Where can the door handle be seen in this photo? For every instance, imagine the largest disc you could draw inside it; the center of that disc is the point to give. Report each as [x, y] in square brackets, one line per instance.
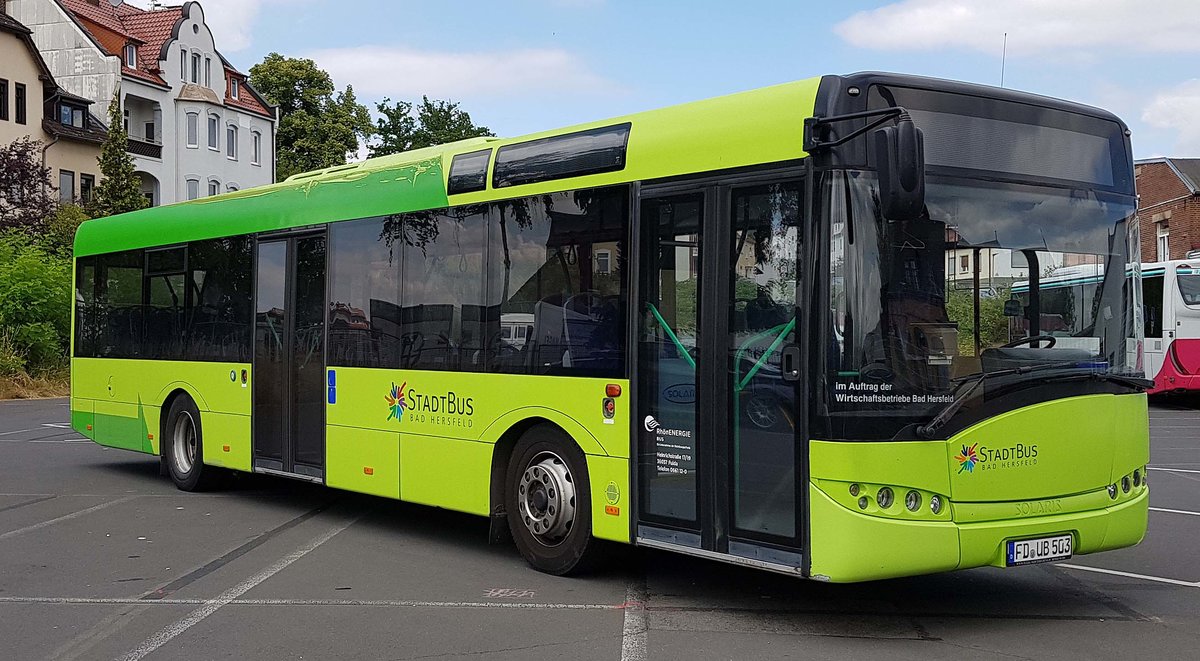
[791, 363]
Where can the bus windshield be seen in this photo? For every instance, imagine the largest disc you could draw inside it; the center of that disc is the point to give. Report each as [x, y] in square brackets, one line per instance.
[1011, 280]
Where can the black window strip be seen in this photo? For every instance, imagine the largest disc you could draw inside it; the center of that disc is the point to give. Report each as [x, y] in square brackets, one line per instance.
[573, 155]
[468, 172]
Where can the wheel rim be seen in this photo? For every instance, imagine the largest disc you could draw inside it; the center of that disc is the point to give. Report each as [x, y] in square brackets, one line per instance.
[761, 412]
[184, 443]
[546, 498]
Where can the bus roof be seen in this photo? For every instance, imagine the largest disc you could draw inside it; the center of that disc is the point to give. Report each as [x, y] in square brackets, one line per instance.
[725, 132]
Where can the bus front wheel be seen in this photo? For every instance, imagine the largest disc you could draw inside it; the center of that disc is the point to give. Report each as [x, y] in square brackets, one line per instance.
[183, 447]
[548, 502]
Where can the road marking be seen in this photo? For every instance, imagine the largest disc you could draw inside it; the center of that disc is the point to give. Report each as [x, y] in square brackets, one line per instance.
[27, 502]
[1144, 577]
[195, 617]
[1163, 509]
[1172, 470]
[633, 630]
[65, 517]
[57, 425]
[374, 603]
[65, 440]
[19, 431]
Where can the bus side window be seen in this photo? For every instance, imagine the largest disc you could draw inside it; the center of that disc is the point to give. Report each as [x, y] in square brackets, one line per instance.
[1152, 300]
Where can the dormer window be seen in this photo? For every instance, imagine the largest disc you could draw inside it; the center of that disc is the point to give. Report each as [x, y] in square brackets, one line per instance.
[131, 56]
[233, 87]
[71, 116]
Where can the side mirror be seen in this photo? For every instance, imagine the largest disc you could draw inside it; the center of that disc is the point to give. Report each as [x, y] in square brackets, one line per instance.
[1012, 308]
[899, 157]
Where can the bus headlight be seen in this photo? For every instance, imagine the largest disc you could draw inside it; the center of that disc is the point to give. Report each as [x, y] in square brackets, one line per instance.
[854, 490]
[1112, 491]
[1125, 484]
[862, 503]
[935, 504]
[1137, 477]
[885, 498]
[912, 500]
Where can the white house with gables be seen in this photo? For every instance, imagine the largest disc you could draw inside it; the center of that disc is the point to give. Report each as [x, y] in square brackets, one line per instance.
[196, 127]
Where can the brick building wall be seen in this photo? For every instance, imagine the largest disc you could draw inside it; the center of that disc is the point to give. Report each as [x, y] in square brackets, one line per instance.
[1166, 201]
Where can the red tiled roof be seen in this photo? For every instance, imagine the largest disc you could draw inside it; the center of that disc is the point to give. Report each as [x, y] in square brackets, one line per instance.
[146, 29]
[248, 98]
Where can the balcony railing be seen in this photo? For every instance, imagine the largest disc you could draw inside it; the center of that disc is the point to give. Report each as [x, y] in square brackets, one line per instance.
[143, 148]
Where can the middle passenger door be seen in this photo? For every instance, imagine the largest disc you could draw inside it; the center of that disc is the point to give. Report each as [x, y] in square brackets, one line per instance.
[719, 431]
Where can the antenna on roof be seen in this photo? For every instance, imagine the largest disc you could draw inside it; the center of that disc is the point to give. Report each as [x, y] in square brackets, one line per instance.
[1003, 58]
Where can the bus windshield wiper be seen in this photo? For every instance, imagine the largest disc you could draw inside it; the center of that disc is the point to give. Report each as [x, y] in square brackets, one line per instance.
[943, 416]
[1123, 379]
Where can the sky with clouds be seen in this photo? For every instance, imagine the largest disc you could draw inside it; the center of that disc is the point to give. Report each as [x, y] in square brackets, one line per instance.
[520, 66]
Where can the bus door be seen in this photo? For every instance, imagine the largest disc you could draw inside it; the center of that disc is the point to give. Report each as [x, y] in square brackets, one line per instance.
[289, 357]
[719, 436]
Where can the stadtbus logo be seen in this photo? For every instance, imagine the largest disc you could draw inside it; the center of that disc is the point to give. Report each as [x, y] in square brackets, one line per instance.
[987, 458]
[968, 458]
[650, 423]
[396, 402]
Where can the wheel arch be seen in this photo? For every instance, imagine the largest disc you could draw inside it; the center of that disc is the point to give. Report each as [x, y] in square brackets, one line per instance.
[502, 454]
[173, 393]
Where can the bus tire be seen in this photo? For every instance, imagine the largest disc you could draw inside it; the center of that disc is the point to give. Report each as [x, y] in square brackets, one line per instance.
[549, 503]
[183, 447]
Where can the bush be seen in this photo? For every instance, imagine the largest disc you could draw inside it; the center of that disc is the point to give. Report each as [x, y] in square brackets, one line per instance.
[35, 303]
[11, 362]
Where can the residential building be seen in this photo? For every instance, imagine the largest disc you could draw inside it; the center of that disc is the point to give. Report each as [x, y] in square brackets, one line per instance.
[32, 105]
[196, 127]
[1168, 207]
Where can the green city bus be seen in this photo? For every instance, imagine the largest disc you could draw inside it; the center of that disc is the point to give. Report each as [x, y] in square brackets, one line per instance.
[740, 328]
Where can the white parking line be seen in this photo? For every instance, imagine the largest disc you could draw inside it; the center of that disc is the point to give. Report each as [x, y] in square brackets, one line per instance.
[165, 635]
[376, 603]
[1163, 509]
[633, 631]
[1144, 577]
[19, 431]
[57, 425]
[1172, 470]
[65, 517]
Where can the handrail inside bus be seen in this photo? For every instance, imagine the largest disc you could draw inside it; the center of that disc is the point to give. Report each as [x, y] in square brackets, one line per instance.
[671, 334]
[783, 330]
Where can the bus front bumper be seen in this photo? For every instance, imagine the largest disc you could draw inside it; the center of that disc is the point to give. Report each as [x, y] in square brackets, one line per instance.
[848, 546]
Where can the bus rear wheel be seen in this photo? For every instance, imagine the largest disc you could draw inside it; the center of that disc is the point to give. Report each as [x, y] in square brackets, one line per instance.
[183, 447]
[548, 502]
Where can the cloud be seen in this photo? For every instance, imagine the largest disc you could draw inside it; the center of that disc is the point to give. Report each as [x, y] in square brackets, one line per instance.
[1176, 109]
[231, 21]
[405, 73]
[1033, 26]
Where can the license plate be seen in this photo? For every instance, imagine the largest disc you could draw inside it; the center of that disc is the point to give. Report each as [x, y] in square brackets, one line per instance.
[1045, 549]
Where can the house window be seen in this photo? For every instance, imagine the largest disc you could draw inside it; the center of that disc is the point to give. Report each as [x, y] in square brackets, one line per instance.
[214, 125]
[193, 189]
[183, 64]
[604, 261]
[150, 132]
[195, 67]
[231, 188]
[125, 114]
[3, 99]
[234, 86]
[214, 188]
[208, 72]
[87, 182]
[193, 130]
[131, 56]
[66, 186]
[964, 263]
[231, 141]
[19, 89]
[1164, 242]
[256, 140]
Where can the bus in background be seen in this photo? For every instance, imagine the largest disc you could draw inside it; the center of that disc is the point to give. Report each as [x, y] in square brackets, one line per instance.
[766, 329]
[1171, 300]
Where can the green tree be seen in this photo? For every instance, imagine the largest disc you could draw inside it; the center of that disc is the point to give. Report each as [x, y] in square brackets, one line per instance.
[435, 123]
[318, 126]
[120, 190]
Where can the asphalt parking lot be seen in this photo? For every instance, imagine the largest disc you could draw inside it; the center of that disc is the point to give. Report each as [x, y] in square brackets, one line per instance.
[100, 558]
